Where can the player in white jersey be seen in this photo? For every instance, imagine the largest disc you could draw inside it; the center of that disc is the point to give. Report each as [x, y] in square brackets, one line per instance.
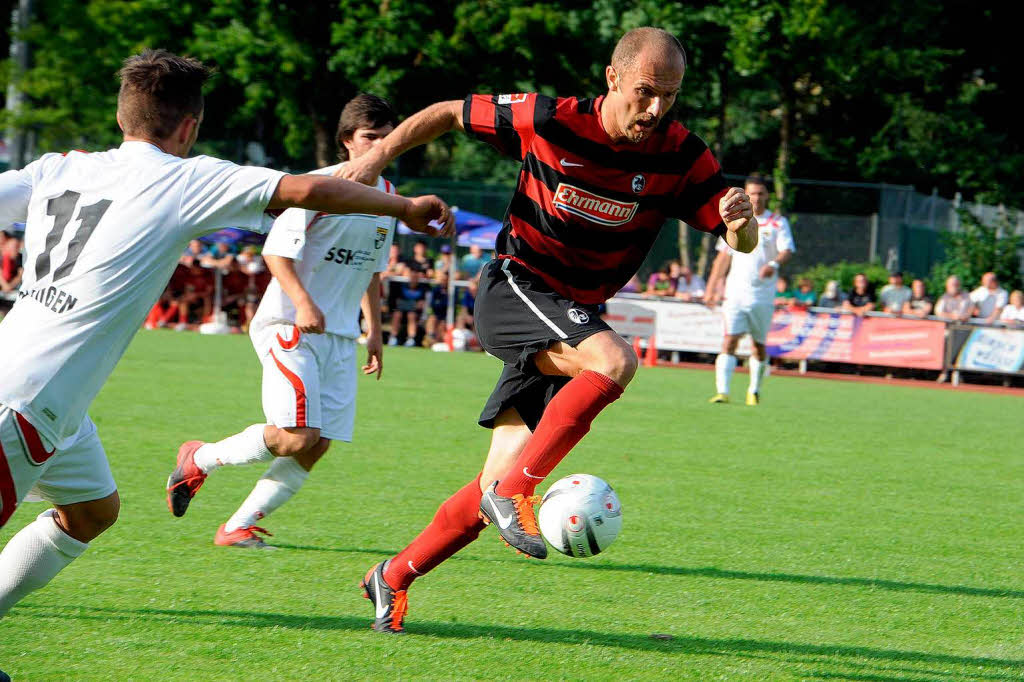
[103, 234]
[749, 292]
[325, 267]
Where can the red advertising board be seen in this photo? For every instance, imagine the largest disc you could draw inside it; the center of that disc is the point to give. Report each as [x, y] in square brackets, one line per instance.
[893, 342]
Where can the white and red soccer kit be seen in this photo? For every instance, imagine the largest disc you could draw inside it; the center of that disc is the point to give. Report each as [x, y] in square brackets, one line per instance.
[309, 380]
[103, 235]
[750, 298]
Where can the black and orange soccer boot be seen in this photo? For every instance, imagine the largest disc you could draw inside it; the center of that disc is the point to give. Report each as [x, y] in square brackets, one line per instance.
[186, 479]
[515, 520]
[390, 605]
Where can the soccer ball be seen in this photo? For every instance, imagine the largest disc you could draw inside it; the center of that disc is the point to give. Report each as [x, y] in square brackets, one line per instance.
[580, 515]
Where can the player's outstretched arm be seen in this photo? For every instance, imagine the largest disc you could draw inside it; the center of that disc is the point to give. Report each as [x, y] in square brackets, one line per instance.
[418, 129]
[334, 195]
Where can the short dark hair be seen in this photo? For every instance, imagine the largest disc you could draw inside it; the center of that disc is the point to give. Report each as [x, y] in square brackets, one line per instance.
[756, 179]
[633, 43]
[158, 90]
[363, 111]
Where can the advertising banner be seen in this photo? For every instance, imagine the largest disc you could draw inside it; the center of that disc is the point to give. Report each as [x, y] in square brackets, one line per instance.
[886, 341]
[794, 335]
[993, 350]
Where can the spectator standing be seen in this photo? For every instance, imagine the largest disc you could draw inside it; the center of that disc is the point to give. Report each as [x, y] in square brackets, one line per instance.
[832, 296]
[1013, 313]
[420, 262]
[196, 301]
[895, 294]
[954, 305]
[804, 296]
[989, 298]
[194, 253]
[443, 262]
[784, 296]
[690, 287]
[468, 303]
[919, 304]
[395, 264]
[220, 256]
[410, 304]
[437, 307]
[473, 261]
[862, 298]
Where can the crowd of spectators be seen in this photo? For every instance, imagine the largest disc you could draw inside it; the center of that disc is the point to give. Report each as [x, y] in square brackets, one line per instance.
[417, 293]
[988, 304]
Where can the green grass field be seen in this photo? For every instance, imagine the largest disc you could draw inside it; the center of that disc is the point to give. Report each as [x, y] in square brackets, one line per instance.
[838, 531]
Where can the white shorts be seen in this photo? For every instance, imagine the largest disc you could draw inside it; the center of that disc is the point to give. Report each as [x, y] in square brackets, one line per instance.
[748, 318]
[308, 379]
[76, 473]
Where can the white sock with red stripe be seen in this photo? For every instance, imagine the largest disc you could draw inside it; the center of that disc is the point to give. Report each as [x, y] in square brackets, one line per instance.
[282, 480]
[247, 447]
[33, 557]
[725, 365]
[756, 374]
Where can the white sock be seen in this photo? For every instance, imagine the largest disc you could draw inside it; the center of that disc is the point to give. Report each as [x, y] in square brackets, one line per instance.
[756, 374]
[725, 364]
[282, 480]
[33, 557]
[246, 447]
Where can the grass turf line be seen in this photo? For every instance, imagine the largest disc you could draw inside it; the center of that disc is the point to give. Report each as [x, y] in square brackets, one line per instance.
[837, 531]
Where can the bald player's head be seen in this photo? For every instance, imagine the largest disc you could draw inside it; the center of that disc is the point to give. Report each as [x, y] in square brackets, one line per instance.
[643, 82]
[655, 42]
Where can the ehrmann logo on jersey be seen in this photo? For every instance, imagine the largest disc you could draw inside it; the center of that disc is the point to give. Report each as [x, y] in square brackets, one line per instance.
[593, 207]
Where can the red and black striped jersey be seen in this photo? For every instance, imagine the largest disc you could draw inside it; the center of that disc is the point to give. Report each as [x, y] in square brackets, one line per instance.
[586, 210]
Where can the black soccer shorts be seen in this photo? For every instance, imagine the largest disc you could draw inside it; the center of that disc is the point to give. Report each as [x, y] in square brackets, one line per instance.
[517, 314]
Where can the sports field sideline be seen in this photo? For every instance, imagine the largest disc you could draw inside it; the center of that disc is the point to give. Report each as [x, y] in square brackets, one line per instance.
[837, 531]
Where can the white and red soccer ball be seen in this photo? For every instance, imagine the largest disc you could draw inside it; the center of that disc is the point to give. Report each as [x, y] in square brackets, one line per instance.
[580, 515]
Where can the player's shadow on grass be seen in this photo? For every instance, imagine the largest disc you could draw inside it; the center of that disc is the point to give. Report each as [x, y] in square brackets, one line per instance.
[678, 645]
[719, 573]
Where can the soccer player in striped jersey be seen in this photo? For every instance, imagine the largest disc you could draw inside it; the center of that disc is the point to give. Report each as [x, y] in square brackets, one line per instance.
[599, 177]
[103, 233]
[326, 268]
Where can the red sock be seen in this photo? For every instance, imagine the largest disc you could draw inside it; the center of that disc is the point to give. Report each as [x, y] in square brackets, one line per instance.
[456, 524]
[565, 421]
[154, 315]
[170, 314]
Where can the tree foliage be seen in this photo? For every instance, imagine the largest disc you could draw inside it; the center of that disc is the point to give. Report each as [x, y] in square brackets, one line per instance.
[911, 92]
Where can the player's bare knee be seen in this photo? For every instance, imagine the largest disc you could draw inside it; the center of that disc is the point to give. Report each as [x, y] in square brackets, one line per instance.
[290, 442]
[85, 521]
[617, 363]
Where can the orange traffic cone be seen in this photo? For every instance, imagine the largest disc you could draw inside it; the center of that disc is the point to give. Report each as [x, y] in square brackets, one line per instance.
[636, 347]
[651, 358]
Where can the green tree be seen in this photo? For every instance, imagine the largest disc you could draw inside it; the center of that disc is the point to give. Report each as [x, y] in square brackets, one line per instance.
[977, 248]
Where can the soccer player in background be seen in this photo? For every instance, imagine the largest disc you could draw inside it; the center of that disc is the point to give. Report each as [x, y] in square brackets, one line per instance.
[598, 180]
[325, 267]
[749, 292]
[103, 234]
